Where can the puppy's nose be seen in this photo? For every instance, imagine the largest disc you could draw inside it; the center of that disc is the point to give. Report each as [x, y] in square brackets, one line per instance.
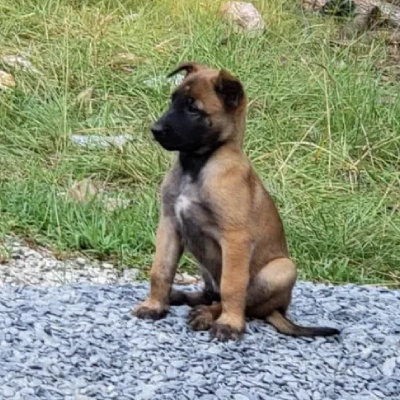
[157, 130]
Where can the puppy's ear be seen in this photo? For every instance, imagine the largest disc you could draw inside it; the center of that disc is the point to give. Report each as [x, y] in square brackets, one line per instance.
[187, 66]
[229, 89]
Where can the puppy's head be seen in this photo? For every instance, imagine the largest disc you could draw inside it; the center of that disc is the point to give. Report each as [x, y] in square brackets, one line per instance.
[205, 110]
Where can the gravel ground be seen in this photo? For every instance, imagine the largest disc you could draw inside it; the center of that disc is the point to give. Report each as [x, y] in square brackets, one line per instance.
[66, 333]
[80, 342]
[27, 266]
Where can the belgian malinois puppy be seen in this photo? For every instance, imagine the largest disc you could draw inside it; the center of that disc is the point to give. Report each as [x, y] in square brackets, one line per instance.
[215, 206]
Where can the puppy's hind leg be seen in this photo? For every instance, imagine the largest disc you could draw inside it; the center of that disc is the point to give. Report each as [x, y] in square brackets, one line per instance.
[269, 297]
[271, 289]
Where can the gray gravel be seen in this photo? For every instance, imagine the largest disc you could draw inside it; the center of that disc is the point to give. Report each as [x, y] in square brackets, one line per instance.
[39, 266]
[79, 342]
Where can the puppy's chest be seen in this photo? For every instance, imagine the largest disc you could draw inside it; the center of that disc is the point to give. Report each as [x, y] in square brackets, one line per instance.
[189, 207]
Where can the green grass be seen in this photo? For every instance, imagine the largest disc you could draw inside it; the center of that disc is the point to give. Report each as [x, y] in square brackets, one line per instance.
[321, 131]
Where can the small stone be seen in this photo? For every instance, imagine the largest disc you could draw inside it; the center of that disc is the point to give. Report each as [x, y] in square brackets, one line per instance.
[94, 140]
[240, 397]
[8, 391]
[388, 366]
[301, 394]
[131, 274]
[172, 372]
[102, 280]
[366, 353]
[178, 364]
[19, 62]
[27, 391]
[81, 261]
[223, 393]
[30, 253]
[185, 279]
[7, 81]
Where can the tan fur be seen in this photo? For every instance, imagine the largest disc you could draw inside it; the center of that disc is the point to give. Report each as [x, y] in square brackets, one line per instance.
[230, 224]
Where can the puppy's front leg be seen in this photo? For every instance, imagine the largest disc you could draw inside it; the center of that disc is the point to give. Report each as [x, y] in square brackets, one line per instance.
[169, 250]
[234, 282]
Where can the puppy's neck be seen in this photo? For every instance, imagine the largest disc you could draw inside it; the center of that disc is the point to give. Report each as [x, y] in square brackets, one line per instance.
[193, 162]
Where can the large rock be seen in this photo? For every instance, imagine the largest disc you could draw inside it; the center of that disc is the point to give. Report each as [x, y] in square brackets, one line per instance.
[243, 16]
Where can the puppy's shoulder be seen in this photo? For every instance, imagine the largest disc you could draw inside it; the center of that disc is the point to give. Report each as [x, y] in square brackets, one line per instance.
[229, 184]
[229, 168]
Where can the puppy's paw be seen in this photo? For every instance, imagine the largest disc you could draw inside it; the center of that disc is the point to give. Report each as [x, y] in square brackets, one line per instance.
[224, 333]
[200, 318]
[150, 310]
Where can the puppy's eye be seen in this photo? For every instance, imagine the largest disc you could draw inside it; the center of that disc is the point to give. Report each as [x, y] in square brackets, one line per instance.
[191, 105]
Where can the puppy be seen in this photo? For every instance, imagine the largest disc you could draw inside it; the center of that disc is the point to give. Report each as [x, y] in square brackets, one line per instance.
[215, 206]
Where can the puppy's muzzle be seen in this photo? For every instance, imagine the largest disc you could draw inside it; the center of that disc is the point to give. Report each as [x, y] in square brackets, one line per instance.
[161, 130]
[157, 130]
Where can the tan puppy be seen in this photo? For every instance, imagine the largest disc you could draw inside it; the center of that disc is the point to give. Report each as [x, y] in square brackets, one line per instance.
[215, 206]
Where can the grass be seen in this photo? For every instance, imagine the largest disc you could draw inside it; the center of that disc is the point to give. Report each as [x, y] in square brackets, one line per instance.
[323, 129]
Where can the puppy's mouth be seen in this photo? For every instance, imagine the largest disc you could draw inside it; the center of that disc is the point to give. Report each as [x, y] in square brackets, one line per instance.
[169, 145]
[173, 144]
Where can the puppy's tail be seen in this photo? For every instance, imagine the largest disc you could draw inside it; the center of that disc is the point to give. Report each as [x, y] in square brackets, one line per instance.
[287, 327]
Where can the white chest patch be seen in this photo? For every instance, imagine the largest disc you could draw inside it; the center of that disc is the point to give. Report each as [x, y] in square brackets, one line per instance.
[182, 204]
